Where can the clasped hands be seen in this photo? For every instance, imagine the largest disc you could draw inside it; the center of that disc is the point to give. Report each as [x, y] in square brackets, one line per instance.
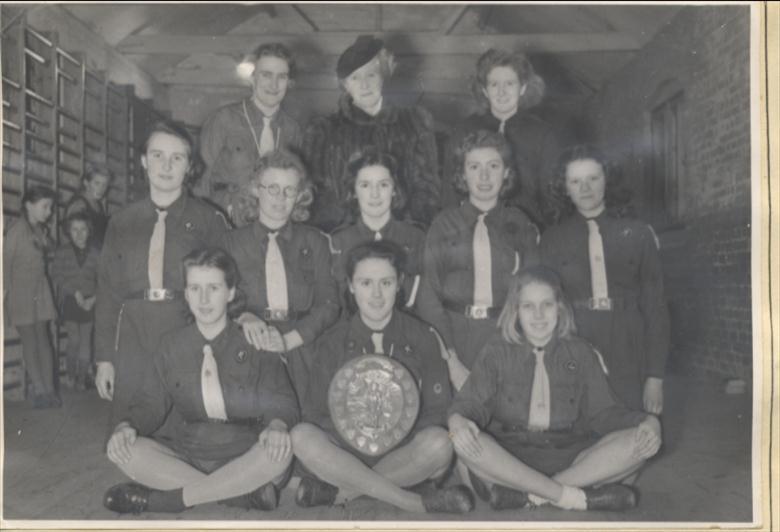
[261, 335]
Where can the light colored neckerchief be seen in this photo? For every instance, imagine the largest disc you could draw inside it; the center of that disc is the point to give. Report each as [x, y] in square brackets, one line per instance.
[254, 133]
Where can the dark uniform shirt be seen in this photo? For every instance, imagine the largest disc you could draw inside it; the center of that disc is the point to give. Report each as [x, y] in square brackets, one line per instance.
[497, 393]
[634, 336]
[448, 260]
[228, 147]
[123, 269]
[406, 235]
[311, 290]
[255, 386]
[405, 339]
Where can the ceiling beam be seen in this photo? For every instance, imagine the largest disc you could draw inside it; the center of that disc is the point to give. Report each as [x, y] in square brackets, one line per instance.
[306, 18]
[453, 19]
[333, 43]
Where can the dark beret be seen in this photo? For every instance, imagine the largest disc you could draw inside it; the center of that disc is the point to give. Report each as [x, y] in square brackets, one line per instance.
[363, 50]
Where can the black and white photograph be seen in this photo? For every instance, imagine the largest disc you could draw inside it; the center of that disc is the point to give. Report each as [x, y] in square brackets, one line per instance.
[429, 265]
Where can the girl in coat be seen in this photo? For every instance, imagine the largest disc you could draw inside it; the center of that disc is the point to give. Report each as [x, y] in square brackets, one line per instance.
[234, 407]
[612, 273]
[27, 294]
[92, 201]
[471, 252]
[74, 274]
[378, 198]
[536, 420]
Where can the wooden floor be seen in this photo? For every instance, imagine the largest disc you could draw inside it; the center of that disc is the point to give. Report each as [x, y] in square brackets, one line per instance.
[54, 469]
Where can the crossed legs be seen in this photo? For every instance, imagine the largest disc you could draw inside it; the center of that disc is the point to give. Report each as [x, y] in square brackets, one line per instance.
[428, 455]
[156, 466]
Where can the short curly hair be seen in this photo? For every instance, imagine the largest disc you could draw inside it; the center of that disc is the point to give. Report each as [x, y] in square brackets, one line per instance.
[534, 84]
[617, 196]
[483, 139]
[279, 50]
[285, 160]
[372, 156]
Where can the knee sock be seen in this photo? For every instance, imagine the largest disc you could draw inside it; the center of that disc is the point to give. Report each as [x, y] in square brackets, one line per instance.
[166, 501]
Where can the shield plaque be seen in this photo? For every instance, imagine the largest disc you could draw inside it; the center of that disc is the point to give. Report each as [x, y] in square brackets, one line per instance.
[373, 402]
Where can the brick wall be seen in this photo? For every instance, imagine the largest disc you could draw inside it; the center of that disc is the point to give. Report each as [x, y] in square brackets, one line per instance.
[706, 248]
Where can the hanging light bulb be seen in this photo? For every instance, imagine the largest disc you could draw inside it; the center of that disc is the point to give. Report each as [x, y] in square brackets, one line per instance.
[245, 68]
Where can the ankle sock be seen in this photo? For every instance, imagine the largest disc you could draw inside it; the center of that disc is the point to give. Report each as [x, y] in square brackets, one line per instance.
[572, 499]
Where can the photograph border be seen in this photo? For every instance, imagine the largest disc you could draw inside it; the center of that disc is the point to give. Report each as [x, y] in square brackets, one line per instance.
[765, 263]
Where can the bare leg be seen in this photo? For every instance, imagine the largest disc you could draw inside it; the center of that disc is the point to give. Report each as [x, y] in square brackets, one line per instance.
[336, 466]
[428, 455]
[157, 466]
[498, 466]
[610, 459]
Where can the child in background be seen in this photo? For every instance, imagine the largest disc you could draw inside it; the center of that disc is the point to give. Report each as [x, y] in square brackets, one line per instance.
[27, 294]
[74, 274]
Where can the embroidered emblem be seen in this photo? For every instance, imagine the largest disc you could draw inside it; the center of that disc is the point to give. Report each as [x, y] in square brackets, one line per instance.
[571, 365]
[305, 251]
[241, 356]
[407, 349]
[626, 232]
[437, 388]
[188, 226]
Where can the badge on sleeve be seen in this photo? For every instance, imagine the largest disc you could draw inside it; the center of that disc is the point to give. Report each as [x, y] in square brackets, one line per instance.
[241, 356]
[571, 365]
[188, 226]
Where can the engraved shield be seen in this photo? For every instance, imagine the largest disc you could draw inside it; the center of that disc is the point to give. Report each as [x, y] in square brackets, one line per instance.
[374, 402]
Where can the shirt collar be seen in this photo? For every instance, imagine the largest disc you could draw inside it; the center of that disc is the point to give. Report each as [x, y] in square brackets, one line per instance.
[360, 333]
[369, 233]
[472, 213]
[261, 231]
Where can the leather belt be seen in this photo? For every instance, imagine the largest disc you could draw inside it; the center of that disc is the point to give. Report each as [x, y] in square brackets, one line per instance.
[243, 421]
[156, 294]
[271, 314]
[474, 312]
[606, 303]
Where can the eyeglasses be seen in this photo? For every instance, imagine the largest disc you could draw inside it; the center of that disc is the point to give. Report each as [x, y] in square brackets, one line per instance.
[275, 190]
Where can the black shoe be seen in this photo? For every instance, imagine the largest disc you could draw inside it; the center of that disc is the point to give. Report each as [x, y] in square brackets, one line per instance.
[611, 497]
[314, 492]
[503, 498]
[479, 487]
[127, 498]
[428, 485]
[265, 498]
[454, 500]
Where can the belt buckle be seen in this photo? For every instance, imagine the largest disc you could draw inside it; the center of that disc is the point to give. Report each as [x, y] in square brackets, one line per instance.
[276, 314]
[156, 294]
[477, 312]
[600, 303]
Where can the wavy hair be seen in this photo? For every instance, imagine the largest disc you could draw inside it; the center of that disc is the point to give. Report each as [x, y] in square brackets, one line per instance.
[371, 156]
[534, 84]
[617, 196]
[508, 320]
[286, 160]
[213, 257]
[484, 139]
